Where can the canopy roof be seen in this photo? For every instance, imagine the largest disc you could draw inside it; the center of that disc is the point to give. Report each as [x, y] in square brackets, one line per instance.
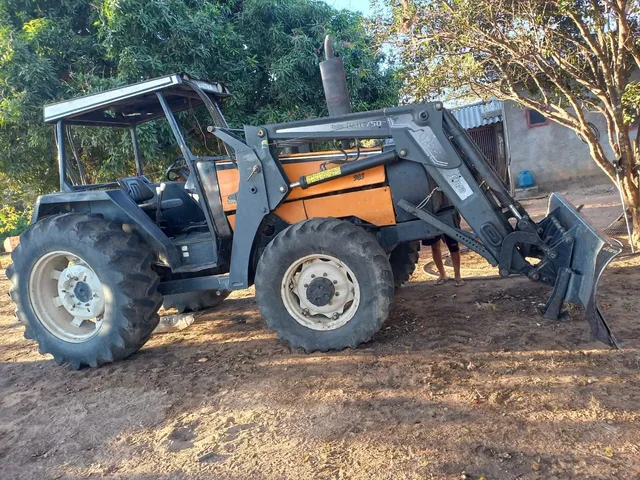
[134, 104]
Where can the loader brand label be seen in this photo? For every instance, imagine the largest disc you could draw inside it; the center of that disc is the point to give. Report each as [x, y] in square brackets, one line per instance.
[458, 183]
[330, 127]
[358, 125]
[323, 175]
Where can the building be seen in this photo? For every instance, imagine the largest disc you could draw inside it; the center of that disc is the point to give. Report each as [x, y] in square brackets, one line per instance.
[515, 138]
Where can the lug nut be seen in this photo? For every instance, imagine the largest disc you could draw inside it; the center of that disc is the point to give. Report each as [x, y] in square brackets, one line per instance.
[306, 285]
[337, 294]
[324, 274]
[335, 282]
[313, 275]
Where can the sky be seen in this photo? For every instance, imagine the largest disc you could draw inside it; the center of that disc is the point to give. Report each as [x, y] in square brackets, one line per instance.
[362, 6]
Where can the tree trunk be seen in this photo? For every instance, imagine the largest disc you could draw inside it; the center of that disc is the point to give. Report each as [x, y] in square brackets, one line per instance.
[630, 193]
[635, 233]
[627, 181]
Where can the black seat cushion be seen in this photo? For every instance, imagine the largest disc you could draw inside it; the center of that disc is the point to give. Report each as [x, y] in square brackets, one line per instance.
[137, 188]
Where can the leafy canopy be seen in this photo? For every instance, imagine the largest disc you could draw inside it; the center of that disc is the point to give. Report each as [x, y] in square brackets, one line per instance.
[561, 57]
[267, 51]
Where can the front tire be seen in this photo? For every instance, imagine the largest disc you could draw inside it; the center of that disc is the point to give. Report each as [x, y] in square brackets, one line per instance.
[324, 284]
[84, 289]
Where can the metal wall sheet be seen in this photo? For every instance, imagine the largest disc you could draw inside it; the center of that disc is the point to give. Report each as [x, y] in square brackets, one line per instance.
[479, 114]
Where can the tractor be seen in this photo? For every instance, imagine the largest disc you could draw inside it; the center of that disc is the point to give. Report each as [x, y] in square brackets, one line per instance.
[326, 237]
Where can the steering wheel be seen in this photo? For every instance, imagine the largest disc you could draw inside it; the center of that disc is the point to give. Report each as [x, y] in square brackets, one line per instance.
[178, 170]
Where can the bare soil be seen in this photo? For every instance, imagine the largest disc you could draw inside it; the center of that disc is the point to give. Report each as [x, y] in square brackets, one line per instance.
[465, 382]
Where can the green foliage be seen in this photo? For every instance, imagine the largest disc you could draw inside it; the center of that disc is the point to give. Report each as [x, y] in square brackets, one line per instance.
[267, 51]
[13, 221]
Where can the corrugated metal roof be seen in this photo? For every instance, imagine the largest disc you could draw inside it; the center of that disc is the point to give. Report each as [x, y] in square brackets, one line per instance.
[479, 114]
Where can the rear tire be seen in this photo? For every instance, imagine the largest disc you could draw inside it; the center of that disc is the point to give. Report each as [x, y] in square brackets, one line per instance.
[194, 301]
[403, 260]
[324, 284]
[92, 260]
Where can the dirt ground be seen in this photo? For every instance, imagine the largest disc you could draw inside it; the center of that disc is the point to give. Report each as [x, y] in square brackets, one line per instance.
[465, 382]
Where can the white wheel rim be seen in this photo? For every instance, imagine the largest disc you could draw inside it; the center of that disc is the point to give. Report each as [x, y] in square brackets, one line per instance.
[67, 296]
[317, 272]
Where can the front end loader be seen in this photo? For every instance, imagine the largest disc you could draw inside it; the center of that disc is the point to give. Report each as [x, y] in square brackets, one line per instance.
[326, 237]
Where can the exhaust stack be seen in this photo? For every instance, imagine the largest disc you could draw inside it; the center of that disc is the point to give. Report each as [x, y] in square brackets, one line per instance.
[334, 83]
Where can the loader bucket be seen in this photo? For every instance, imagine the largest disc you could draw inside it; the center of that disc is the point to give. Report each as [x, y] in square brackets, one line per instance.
[579, 272]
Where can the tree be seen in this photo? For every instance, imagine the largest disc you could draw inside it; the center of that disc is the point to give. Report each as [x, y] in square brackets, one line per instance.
[560, 57]
[267, 51]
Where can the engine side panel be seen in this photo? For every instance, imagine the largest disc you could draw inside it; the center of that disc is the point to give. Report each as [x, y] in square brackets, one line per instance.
[371, 205]
[228, 179]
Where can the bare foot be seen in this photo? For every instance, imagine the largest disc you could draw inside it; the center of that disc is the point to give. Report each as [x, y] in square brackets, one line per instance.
[459, 282]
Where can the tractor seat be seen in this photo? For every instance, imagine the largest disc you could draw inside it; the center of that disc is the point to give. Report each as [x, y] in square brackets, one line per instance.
[141, 192]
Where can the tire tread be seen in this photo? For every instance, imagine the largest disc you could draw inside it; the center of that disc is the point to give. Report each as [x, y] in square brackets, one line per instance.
[344, 233]
[137, 317]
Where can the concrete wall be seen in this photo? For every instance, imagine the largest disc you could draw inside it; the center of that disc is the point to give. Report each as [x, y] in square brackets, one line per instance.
[552, 153]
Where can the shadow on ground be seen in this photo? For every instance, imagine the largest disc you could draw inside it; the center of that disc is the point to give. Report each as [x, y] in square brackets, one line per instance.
[459, 379]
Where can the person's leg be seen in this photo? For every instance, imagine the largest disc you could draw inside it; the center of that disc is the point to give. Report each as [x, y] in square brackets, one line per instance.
[454, 250]
[436, 252]
[455, 259]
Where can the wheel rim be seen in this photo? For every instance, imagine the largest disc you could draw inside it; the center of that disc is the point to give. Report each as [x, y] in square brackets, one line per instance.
[320, 292]
[67, 296]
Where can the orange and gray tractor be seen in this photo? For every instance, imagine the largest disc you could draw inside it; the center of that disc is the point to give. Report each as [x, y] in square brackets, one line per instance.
[326, 237]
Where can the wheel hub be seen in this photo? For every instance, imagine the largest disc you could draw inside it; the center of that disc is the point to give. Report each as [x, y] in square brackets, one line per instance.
[320, 291]
[67, 296]
[80, 291]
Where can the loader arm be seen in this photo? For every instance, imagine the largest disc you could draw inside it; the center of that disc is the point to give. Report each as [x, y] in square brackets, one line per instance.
[571, 254]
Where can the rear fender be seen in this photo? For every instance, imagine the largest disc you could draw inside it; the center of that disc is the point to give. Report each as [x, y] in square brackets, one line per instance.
[113, 205]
